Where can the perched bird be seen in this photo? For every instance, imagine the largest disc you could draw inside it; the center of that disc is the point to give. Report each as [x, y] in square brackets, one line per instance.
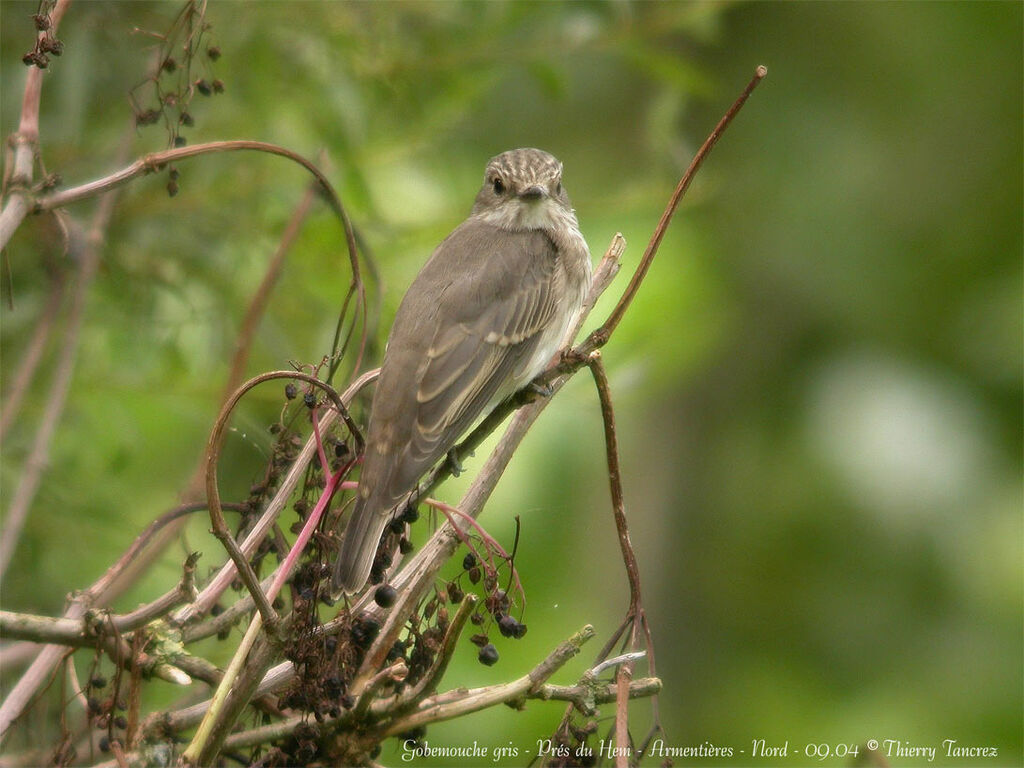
[484, 316]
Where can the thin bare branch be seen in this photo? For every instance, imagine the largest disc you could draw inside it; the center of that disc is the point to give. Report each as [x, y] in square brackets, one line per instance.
[599, 337]
[15, 393]
[461, 702]
[26, 143]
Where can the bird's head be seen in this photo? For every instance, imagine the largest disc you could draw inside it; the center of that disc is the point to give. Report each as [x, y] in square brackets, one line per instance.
[523, 190]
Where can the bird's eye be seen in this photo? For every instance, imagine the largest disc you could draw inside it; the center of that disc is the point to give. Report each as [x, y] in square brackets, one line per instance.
[558, 189]
[499, 186]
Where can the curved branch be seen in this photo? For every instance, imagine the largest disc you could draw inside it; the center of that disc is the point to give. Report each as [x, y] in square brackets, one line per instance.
[26, 143]
[213, 447]
[157, 160]
[600, 336]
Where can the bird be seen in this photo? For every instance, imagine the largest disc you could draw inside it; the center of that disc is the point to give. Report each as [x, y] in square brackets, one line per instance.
[485, 315]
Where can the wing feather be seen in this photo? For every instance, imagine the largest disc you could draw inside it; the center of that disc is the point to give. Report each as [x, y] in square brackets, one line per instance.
[481, 335]
[466, 330]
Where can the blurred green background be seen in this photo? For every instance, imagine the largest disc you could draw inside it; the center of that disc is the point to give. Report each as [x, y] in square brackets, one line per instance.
[818, 388]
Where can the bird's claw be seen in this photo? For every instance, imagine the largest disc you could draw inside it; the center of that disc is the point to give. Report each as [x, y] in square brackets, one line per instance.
[453, 460]
[544, 390]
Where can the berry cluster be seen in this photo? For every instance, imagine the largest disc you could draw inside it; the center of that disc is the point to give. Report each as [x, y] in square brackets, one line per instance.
[46, 43]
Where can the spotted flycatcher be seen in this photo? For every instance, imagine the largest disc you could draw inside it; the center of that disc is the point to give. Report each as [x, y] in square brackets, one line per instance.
[485, 315]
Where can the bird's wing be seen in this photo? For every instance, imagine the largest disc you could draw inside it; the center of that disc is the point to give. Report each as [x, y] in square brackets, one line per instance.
[483, 335]
[463, 333]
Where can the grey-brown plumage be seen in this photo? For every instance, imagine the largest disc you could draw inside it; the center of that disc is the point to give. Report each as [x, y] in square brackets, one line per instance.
[484, 316]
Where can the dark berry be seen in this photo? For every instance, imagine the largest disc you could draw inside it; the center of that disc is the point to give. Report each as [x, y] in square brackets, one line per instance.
[309, 399]
[385, 595]
[488, 655]
[290, 390]
[397, 651]
[213, 52]
[468, 561]
[365, 631]
[507, 625]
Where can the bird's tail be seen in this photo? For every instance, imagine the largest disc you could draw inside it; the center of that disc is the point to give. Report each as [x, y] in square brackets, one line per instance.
[359, 546]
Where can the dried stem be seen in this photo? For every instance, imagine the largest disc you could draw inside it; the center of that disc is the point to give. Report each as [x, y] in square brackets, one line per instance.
[81, 632]
[213, 447]
[38, 458]
[15, 393]
[581, 696]
[428, 683]
[461, 702]
[26, 143]
[599, 337]
[220, 582]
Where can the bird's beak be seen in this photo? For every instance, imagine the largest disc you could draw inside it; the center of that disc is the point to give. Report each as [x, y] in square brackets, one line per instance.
[535, 192]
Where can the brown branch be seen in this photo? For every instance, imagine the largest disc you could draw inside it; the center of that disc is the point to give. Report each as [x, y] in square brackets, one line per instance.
[392, 674]
[50, 655]
[587, 354]
[86, 247]
[15, 393]
[611, 443]
[581, 696]
[80, 632]
[461, 702]
[622, 680]
[253, 314]
[428, 683]
[213, 447]
[184, 592]
[600, 336]
[157, 160]
[38, 458]
[26, 143]
[220, 582]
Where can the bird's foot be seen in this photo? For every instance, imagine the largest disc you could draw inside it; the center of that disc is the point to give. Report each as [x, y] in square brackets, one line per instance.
[544, 390]
[453, 460]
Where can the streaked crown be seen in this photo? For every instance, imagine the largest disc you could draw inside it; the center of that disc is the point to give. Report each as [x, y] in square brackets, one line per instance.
[522, 188]
[523, 168]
